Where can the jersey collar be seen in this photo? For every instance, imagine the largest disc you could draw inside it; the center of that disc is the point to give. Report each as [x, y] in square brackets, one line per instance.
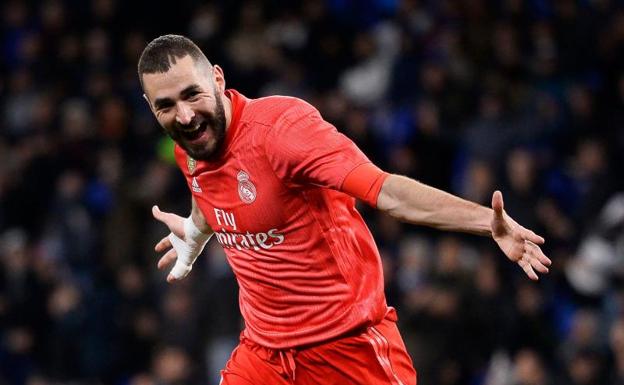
[238, 104]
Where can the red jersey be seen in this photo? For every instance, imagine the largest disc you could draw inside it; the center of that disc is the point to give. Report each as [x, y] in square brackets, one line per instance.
[306, 263]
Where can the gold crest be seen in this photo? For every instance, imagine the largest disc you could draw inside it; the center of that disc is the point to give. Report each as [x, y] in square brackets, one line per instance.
[191, 164]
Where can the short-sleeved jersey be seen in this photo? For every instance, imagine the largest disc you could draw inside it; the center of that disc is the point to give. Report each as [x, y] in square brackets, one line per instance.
[307, 265]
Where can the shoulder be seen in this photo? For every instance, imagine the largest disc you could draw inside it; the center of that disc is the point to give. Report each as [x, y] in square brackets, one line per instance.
[272, 110]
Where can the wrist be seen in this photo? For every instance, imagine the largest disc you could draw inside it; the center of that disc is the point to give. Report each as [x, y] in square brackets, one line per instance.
[193, 234]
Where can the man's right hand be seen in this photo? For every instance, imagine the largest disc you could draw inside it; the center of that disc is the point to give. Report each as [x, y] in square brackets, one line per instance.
[183, 244]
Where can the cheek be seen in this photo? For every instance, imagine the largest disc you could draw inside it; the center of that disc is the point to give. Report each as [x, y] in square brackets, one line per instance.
[205, 106]
[166, 121]
[168, 129]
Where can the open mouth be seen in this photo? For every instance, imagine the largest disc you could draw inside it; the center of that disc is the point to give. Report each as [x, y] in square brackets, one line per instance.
[194, 132]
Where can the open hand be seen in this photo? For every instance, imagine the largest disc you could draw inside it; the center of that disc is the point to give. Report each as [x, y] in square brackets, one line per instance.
[519, 244]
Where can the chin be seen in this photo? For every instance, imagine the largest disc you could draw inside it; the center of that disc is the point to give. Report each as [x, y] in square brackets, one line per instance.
[206, 153]
[199, 155]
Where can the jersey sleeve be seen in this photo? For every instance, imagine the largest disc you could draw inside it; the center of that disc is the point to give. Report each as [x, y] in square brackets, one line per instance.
[303, 148]
[365, 182]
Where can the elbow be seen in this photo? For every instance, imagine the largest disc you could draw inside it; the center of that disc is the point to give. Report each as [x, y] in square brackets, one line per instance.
[397, 211]
[412, 215]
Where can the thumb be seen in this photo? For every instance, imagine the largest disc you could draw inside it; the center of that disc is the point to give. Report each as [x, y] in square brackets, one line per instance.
[157, 213]
[497, 203]
[160, 215]
[174, 222]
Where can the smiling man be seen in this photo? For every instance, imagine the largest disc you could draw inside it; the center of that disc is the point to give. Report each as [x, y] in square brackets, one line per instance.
[195, 116]
[275, 184]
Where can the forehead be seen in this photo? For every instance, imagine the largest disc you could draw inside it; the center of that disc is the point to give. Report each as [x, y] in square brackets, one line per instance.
[170, 83]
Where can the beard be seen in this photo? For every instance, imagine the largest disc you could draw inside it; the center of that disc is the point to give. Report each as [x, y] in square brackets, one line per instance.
[213, 124]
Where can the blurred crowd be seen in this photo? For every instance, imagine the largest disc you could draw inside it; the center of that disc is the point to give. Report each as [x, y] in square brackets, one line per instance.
[468, 96]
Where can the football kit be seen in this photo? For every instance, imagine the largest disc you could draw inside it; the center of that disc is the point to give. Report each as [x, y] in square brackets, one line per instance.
[279, 198]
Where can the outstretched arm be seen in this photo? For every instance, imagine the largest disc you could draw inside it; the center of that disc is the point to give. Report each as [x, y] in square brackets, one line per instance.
[414, 202]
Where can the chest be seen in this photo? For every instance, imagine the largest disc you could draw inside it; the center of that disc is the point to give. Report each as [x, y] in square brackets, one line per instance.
[242, 195]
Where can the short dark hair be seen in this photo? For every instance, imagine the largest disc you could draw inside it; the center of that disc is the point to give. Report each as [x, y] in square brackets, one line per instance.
[161, 53]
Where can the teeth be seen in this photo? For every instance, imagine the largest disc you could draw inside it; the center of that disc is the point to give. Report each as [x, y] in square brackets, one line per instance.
[191, 129]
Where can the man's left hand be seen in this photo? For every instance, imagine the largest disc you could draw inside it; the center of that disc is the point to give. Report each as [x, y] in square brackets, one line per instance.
[519, 244]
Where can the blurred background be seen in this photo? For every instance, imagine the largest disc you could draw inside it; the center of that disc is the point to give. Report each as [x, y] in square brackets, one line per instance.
[468, 96]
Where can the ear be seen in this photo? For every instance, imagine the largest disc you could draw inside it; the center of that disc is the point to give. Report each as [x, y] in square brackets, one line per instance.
[219, 78]
[148, 103]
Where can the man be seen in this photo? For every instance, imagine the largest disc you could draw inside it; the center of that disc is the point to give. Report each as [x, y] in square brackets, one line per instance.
[276, 184]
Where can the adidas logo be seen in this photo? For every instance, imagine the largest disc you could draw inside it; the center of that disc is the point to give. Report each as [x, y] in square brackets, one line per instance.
[195, 186]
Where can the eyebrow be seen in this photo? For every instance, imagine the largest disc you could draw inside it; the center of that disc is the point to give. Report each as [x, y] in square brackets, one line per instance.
[160, 102]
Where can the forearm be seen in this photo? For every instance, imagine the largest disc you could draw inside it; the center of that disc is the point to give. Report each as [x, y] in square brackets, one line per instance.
[198, 218]
[414, 202]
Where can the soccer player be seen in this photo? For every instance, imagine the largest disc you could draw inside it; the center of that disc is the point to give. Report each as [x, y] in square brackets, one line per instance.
[275, 185]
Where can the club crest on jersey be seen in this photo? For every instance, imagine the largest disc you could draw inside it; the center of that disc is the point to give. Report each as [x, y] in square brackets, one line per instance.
[246, 189]
[191, 164]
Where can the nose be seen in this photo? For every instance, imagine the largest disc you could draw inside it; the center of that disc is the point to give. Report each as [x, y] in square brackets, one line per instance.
[184, 114]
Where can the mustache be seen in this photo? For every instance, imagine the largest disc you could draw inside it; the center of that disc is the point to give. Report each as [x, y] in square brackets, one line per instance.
[191, 125]
[196, 122]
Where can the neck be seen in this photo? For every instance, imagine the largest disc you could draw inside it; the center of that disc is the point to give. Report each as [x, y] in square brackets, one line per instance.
[227, 107]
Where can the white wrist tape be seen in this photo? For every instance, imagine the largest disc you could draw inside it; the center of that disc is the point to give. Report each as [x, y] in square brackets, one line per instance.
[188, 248]
[192, 234]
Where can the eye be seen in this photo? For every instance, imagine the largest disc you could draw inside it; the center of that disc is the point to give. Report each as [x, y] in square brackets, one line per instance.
[193, 95]
[163, 108]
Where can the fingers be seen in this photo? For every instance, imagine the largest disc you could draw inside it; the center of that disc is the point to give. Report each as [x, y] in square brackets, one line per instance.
[163, 245]
[178, 272]
[172, 278]
[536, 252]
[533, 259]
[535, 238]
[528, 269]
[536, 265]
[169, 257]
[497, 203]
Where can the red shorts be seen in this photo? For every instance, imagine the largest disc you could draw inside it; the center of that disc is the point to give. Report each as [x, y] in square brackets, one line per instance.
[375, 355]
